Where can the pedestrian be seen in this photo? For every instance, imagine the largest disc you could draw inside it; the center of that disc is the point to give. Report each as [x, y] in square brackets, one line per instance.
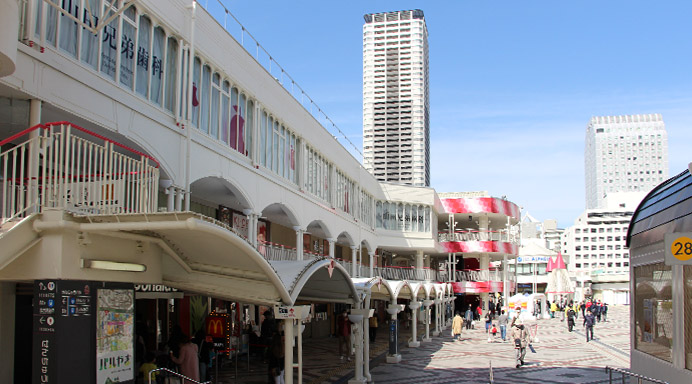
[576, 310]
[276, 359]
[502, 322]
[498, 307]
[480, 312]
[521, 338]
[553, 309]
[187, 359]
[343, 332]
[562, 312]
[468, 316]
[571, 314]
[582, 307]
[456, 326]
[589, 321]
[604, 311]
[493, 330]
[267, 330]
[597, 310]
[372, 332]
[488, 323]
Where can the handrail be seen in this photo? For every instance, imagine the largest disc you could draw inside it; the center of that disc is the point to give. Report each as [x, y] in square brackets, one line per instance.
[81, 129]
[624, 372]
[176, 374]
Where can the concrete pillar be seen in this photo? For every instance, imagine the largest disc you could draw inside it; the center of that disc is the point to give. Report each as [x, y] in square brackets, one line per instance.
[483, 228]
[299, 242]
[505, 288]
[393, 356]
[419, 260]
[354, 262]
[414, 343]
[484, 266]
[427, 304]
[372, 262]
[437, 317]
[179, 195]
[7, 313]
[288, 351]
[357, 317]
[170, 201]
[443, 313]
[426, 261]
[332, 243]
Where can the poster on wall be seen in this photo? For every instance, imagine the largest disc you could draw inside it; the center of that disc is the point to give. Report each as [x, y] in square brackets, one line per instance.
[648, 335]
[262, 231]
[114, 336]
[240, 224]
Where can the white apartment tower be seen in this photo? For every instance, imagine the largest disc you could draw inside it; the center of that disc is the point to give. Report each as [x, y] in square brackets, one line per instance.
[624, 154]
[396, 107]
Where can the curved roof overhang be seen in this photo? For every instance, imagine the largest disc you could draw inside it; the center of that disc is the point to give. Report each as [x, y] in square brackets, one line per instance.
[379, 288]
[402, 289]
[201, 255]
[311, 280]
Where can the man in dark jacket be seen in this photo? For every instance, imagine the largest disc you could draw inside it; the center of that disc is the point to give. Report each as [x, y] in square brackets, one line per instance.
[604, 312]
[468, 317]
[589, 321]
[570, 319]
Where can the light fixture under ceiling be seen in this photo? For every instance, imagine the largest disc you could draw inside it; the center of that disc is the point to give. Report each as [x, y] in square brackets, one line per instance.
[113, 265]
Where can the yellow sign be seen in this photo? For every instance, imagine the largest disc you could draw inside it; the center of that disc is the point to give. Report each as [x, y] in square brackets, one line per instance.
[681, 248]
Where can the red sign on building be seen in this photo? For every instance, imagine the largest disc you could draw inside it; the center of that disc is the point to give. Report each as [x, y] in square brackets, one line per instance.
[216, 326]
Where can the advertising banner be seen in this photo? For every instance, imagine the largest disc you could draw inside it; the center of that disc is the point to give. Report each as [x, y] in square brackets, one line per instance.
[115, 336]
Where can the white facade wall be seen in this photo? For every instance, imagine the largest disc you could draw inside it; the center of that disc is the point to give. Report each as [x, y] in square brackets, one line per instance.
[396, 125]
[624, 154]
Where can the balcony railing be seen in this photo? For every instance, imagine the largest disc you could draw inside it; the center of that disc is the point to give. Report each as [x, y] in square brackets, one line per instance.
[482, 275]
[479, 235]
[61, 165]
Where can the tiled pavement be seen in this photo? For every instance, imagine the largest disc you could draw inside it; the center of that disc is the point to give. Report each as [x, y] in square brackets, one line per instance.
[561, 357]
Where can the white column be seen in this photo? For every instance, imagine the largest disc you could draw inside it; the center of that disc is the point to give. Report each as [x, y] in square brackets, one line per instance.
[483, 227]
[179, 195]
[372, 261]
[332, 243]
[427, 304]
[299, 242]
[484, 265]
[443, 314]
[419, 260]
[170, 201]
[288, 351]
[299, 327]
[354, 262]
[34, 119]
[414, 343]
[393, 357]
[358, 316]
[505, 288]
[437, 317]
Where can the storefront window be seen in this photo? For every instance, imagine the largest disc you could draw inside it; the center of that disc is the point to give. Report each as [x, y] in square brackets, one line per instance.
[653, 295]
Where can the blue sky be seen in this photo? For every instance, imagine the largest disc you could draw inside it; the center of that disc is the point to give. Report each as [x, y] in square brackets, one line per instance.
[512, 84]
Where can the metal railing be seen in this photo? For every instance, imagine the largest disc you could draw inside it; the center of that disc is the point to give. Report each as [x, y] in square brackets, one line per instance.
[640, 378]
[61, 165]
[478, 235]
[482, 275]
[174, 373]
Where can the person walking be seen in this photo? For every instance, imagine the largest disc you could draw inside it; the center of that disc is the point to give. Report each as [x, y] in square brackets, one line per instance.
[553, 309]
[502, 322]
[604, 311]
[468, 316]
[589, 321]
[521, 338]
[582, 307]
[480, 312]
[457, 326]
[188, 359]
[596, 310]
[343, 332]
[571, 314]
[488, 323]
[372, 332]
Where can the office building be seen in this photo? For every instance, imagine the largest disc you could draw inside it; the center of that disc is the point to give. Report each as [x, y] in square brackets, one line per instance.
[624, 154]
[396, 107]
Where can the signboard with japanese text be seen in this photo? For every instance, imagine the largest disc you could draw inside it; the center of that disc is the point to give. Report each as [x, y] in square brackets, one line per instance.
[115, 359]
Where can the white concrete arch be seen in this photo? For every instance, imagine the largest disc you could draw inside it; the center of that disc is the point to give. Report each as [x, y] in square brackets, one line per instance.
[379, 288]
[317, 281]
[431, 290]
[220, 191]
[282, 214]
[345, 238]
[419, 292]
[367, 245]
[402, 289]
[319, 228]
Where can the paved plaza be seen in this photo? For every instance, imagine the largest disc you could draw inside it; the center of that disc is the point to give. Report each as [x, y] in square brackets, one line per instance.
[561, 357]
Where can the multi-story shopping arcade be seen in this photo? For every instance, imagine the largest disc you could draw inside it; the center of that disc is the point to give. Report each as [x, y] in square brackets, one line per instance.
[160, 171]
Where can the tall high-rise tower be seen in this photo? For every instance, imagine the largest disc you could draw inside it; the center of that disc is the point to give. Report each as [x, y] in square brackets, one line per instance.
[396, 107]
[624, 154]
